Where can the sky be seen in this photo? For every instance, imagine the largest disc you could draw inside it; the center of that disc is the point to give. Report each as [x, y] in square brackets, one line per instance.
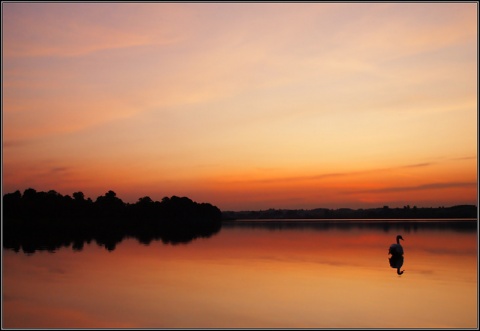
[246, 106]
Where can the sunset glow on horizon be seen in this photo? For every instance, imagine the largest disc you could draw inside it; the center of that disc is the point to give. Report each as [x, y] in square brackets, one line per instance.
[246, 106]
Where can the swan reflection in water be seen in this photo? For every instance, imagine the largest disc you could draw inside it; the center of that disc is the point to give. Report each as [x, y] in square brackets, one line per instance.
[396, 258]
[396, 261]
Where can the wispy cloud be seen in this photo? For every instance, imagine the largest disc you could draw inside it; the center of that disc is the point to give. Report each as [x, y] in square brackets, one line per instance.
[464, 158]
[59, 169]
[15, 143]
[335, 174]
[416, 188]
[418, 165]
[51, 30]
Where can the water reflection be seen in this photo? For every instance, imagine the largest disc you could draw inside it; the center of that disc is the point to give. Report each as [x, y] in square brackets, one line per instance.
[34, 238]
[396, 262]
[396, 252]
[108, 233]
[244, 277]
[457, 225]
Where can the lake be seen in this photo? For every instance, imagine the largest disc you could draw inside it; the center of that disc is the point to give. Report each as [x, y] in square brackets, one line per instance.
[254, 274]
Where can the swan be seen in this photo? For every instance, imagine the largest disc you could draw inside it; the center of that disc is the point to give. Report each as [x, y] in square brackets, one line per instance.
[396, 249]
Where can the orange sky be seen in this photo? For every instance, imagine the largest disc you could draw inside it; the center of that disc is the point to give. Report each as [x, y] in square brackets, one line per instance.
[243, 105]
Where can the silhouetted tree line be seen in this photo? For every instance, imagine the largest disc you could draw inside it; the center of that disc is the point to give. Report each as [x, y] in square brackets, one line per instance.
[49, 220]
[460, 211]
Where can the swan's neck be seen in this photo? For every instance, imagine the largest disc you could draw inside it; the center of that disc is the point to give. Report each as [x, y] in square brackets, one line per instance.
[398, 241]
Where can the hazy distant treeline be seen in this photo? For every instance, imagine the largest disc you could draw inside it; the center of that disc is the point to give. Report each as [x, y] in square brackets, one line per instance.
[48, 220]
[461, 211]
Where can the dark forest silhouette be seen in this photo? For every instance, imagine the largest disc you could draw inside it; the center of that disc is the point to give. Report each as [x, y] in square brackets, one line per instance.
[48, 220]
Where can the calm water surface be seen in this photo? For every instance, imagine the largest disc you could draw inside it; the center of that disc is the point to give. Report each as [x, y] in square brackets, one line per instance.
[252, 275]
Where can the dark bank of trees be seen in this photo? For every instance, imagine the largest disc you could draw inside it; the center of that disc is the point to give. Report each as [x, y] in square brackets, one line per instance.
[48, 220]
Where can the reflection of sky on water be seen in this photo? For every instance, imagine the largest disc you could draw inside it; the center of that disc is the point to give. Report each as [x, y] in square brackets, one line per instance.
[384, 225]
[250, 277]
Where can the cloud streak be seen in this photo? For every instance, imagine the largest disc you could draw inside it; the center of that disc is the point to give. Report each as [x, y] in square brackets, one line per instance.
[431, 186]
[49, 30]
[335, 174]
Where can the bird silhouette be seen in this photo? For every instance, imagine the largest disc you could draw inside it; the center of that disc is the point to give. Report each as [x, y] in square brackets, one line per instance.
[396, 249]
